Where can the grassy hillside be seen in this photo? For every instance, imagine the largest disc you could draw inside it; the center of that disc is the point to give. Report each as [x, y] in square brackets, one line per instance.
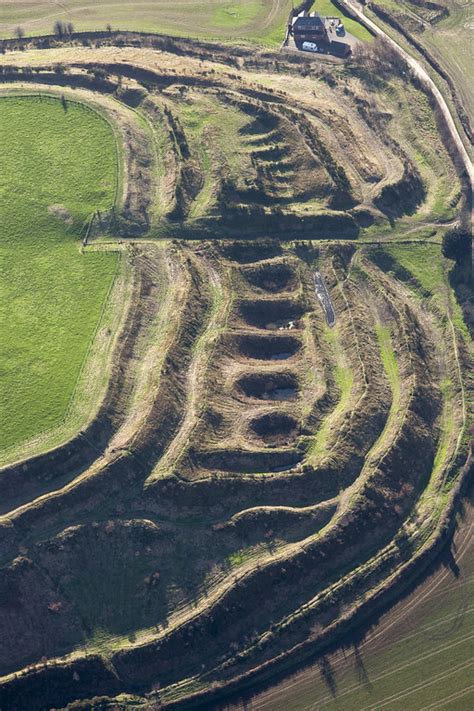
[451, 43]
[262, 20]
[329, 9]
[58, 166]
[446, 32]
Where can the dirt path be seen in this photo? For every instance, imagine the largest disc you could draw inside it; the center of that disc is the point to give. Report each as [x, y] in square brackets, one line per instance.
[423, 75]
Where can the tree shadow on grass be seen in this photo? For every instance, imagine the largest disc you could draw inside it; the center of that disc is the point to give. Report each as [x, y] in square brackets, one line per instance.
[361, 671]
[355, 638]
[327, 674]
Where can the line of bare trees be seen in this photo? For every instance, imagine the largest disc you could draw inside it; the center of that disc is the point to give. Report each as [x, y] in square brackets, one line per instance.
[63, 29]
[60, 29]
[380, 58]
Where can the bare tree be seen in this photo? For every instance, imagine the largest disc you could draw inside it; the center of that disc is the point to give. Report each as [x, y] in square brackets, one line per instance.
[109, 28]
[19, 32]
[380, 58]
[70, 28]
[60, 28]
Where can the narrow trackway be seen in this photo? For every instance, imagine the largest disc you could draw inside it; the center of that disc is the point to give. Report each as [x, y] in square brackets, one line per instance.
[323, 296]
[423, 75]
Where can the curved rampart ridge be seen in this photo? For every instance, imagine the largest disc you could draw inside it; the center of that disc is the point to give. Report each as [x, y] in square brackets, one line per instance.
[258, 478]
[194, 457]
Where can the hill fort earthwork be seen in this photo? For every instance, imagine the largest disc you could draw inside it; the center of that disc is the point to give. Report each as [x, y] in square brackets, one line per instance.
[236, 358]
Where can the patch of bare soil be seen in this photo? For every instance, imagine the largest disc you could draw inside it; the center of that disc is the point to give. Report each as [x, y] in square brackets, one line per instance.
[267, 347]
[61, 212]
[268, 386]
[276, 428]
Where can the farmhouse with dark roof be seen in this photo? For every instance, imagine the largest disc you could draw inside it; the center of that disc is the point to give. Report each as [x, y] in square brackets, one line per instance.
[309, 28]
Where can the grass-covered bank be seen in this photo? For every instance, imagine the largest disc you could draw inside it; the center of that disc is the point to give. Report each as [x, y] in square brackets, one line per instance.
[58, 166]
[329, 9]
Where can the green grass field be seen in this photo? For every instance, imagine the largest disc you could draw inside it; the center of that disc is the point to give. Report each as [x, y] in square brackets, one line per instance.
[57, 167]
[257, 20]
[260, 21]
[451, 43]
[328, 9]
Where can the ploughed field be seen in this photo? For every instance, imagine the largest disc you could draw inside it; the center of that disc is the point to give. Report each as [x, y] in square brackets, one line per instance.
[418, 655]
[247, 481]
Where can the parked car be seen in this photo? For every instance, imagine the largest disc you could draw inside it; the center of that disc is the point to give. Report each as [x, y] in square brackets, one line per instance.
[340, 30]
[340, 49]
[309, 47]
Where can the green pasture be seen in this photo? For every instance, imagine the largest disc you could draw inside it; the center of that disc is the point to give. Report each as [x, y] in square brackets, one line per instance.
[259, 21]
[329, 9]
[451, 43]
[256, 20]
[58, 165]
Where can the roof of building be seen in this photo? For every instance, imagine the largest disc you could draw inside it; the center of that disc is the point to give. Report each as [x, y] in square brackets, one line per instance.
[309, 22]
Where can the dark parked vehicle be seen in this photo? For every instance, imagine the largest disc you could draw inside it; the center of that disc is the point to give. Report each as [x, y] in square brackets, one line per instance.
[340, 49]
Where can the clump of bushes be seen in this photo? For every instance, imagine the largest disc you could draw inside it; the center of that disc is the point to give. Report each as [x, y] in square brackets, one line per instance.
[379, 58]
[457, 244]
[63, 29]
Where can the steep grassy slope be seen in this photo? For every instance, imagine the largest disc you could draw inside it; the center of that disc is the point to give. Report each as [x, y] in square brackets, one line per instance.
[58, 166]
